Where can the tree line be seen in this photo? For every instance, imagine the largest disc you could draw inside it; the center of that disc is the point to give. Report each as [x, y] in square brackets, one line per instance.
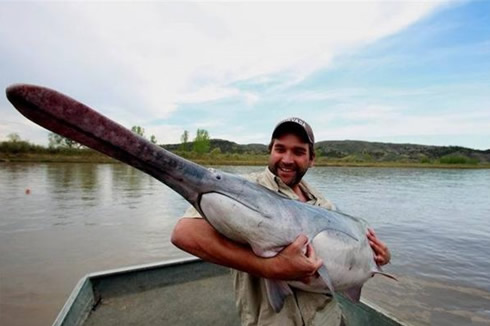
[57, 143]
[327, 152]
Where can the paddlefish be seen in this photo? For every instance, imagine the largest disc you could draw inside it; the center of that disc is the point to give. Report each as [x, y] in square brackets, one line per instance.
[241, 210]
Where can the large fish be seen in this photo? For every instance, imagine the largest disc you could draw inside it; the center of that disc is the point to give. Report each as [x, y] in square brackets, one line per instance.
[239, 209]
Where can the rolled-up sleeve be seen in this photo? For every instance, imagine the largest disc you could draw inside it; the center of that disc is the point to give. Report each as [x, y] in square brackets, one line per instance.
[192, 212]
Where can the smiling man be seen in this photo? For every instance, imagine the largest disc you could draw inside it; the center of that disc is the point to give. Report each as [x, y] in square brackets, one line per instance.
[291, 155]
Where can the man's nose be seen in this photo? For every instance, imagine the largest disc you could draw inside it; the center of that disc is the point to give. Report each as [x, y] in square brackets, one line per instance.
[288, 157]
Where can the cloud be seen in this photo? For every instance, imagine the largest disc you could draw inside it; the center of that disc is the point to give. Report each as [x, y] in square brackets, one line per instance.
[149, 58]
[13, 122]
[165, 134]
[214, 93]
[392, 122]
[170, 48]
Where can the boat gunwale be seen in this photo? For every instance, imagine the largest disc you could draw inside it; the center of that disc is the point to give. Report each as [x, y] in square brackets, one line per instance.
[88, 280]
[141, 268]
[72, 299]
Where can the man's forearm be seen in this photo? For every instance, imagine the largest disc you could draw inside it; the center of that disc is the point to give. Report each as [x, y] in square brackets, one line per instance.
[198, 237]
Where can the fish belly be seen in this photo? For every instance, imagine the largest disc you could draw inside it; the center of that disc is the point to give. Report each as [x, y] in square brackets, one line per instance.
[347, 261]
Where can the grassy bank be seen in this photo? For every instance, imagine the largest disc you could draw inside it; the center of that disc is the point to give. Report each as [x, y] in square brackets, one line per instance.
[225, 159]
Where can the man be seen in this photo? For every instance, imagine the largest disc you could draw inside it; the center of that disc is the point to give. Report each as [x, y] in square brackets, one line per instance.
[291, 155]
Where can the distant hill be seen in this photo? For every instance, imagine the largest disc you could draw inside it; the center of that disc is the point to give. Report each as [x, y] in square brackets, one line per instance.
[396, 152]
[226, 146]
[354, 150]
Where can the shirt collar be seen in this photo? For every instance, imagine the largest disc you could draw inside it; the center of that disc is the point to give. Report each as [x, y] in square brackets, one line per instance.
[278, 185]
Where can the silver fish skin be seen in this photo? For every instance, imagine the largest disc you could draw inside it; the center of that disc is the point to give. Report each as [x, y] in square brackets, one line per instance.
[237, 208]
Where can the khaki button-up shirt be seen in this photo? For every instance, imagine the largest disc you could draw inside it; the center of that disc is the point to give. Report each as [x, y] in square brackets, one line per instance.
[301, 308]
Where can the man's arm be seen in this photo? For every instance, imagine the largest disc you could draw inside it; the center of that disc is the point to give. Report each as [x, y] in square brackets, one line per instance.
[198, 237]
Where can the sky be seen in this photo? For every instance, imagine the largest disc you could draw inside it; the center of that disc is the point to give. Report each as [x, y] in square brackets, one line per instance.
[388, 71]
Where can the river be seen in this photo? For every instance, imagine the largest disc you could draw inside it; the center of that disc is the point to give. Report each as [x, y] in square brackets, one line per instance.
[59, 222]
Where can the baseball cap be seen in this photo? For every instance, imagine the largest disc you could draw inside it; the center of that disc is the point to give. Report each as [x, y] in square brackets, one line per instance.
[294, 124]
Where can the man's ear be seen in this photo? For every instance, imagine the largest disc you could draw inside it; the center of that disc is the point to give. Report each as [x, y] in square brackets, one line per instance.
[312, 162]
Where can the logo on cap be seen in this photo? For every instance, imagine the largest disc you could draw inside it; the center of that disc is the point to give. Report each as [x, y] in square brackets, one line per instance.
[304, 125]
[298, 121]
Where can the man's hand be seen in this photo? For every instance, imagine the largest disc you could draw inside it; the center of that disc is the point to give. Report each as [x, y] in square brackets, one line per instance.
[382, 254]
[298, 261]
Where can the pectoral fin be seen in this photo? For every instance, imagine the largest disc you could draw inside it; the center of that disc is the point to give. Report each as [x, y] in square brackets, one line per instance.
[277, 291]
[322, 271]
[386, 275]
[379, 271]
[354, 293]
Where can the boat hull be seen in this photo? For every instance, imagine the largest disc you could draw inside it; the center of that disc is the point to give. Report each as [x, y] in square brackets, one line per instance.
[182, 292]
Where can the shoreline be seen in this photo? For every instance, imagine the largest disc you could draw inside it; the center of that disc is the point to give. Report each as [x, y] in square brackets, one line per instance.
[219, 161]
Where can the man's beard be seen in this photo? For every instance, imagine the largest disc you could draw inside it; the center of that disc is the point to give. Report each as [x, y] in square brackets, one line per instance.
[299, 173]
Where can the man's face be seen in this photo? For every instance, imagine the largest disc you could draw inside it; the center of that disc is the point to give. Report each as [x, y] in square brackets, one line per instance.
[290, 159]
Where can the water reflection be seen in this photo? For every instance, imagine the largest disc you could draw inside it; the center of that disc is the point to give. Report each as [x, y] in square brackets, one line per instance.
[68, 181]
[129, 185]
[16, 178]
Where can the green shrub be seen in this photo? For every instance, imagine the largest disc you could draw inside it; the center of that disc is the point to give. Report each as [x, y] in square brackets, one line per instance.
[458, 159]
[21, 146]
